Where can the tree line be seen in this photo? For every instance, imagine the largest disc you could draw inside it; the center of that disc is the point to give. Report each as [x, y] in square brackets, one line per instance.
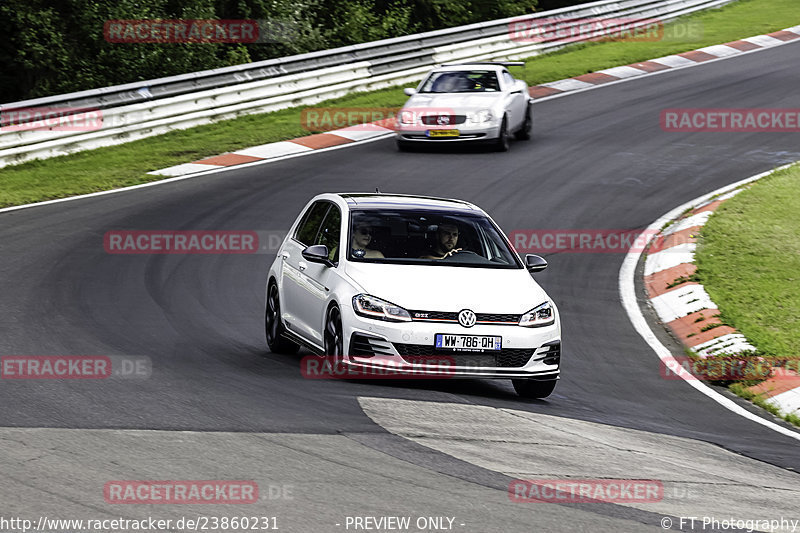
[59, 46]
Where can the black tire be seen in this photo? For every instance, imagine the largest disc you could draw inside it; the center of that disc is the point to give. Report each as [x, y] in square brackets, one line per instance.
[273, 325]
[333, 336]
[403, 146]
[502, 142]
[524, 132]
[532, 388]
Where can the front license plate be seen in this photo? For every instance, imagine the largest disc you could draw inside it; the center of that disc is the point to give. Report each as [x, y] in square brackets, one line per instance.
[443, 133]
[472, 343]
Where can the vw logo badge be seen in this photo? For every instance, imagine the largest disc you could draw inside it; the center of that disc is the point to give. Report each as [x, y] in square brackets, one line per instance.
[467, 318]
[442, 120]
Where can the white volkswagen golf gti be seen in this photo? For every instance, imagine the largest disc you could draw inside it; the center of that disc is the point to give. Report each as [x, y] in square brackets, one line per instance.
[371, 279]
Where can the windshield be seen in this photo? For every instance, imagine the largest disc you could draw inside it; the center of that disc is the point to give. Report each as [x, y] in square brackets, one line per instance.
[472, 81]
[428, 238]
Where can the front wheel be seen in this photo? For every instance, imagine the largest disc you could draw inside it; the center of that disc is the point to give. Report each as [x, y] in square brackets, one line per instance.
[502, 142]
[532, 388]
[274, 327]
[524, 132]
[334, 338]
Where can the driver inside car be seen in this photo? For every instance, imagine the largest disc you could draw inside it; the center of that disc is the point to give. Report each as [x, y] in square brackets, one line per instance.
[446, 241]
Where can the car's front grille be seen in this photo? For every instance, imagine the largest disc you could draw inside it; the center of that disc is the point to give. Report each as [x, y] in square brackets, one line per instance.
[505, 358]
[434, 315]
[433, 120]
[495, 317]
[482, 318]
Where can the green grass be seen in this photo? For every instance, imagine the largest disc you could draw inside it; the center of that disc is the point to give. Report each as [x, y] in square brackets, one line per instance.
[128, 164]
[742, 391]
[729, 23]
[748, 260]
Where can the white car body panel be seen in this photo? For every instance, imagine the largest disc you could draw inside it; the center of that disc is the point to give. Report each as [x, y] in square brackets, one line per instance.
[443, 288]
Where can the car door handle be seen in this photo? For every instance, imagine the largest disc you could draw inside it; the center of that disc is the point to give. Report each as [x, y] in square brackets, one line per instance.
[516, 92]
[285, 256]
[302, 265]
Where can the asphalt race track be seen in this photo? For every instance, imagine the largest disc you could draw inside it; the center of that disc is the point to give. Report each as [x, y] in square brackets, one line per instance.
[598, 159]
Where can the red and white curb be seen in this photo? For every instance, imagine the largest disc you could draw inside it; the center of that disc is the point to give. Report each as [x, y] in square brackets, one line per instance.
[687, 310]
[630, 302]
[376, 130]
[264, 152]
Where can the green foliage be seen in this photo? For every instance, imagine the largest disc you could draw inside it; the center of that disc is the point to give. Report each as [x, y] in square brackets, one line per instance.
[238, 55]
[54, 47]
[556, 4]
[448, 13]
[361, 21]
[58, 46]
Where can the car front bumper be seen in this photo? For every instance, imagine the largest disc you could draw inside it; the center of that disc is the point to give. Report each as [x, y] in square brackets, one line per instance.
[468, 132]
[408, 348]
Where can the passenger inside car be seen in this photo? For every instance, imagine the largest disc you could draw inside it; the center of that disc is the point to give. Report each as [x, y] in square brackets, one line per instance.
[359, 244]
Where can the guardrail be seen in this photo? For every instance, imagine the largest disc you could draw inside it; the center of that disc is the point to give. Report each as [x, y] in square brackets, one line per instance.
[137, 110]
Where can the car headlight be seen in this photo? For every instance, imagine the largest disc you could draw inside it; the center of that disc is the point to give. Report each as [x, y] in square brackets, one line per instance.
[407, 117]
[541, 315]
[484, 115]
[372, 307]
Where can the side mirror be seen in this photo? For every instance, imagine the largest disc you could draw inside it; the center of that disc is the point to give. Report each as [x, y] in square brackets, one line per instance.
[317, 254]
[409, 91]
[535, 263]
